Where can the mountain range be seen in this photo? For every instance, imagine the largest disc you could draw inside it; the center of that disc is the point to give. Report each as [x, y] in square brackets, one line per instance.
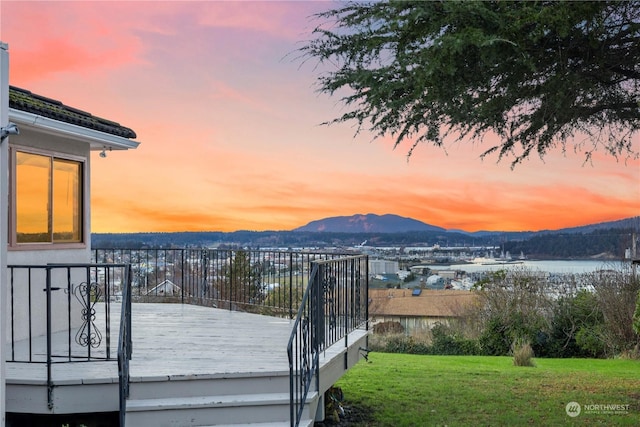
[605, 239]
[389, 223]
[369, 223]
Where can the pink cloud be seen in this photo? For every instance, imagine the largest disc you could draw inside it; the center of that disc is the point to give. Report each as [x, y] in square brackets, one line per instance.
[104, 44]
[268, 17]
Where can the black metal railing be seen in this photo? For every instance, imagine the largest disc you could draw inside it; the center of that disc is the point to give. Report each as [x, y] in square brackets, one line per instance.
[269, 282]
[125, 347]
[334, 304]
[76, 324]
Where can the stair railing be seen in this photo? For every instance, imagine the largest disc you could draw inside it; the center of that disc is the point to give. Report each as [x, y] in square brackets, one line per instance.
[334, 304]
[303, 349]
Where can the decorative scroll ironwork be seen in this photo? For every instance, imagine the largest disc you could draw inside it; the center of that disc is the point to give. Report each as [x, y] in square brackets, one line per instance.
[88, 294]
[305, 370]
[329, 284]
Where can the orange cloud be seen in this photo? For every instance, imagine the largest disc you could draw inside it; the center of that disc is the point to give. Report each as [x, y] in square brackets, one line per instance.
[230, 130]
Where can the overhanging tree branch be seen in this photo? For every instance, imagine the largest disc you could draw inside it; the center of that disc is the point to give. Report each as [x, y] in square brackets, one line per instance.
[534, 73]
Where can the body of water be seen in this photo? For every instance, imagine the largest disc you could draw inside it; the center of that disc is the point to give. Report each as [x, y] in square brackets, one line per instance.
[563, 266]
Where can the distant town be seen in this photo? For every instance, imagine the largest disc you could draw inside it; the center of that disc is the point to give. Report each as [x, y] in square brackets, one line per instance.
[431, 258]
[391, 235]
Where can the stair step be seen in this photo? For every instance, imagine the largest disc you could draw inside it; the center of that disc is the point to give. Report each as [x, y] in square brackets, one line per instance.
[162, 404]
[256, 410]
[188, 386]
[303, 423]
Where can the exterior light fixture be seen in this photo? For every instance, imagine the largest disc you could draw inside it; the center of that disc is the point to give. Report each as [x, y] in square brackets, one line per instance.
[9, 129]
[103, 153]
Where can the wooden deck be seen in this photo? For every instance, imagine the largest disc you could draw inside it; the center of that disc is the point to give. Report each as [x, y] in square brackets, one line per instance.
[174, 340]
[172, 343]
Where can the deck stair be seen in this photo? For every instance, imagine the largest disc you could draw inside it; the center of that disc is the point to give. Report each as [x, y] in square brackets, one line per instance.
[207, 400]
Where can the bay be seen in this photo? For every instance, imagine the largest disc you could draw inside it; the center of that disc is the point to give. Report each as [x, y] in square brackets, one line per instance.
[550, 266]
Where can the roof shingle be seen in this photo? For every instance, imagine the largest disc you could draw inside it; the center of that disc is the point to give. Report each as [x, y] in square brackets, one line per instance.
[24, 100]
[430, 303]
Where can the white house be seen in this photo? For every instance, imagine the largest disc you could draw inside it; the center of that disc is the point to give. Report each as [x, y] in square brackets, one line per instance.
[192, 365]
[166, 287]
[45, 156]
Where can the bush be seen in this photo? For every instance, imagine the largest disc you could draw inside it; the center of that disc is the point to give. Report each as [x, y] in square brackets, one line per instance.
[589, 339]
[522, 353]
[616, 291]
[494, 340]
[399, 343]
[446, 342]
[577, 322]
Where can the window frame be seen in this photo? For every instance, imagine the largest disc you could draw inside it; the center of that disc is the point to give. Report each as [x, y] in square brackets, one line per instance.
[13, 243]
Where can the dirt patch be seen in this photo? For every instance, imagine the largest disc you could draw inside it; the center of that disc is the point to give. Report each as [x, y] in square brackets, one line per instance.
[349, 416]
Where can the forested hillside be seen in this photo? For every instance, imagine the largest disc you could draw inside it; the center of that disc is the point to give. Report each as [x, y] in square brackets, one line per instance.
[605, 243]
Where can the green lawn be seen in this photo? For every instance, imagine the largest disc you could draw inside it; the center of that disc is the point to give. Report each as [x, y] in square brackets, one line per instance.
[414, 390]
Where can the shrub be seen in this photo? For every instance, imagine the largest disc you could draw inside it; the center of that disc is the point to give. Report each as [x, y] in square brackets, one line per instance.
[400, 343]
[589, 339]
[616, 291]
[577, 322]
[522, 353]
[446, 342]
[494, 340]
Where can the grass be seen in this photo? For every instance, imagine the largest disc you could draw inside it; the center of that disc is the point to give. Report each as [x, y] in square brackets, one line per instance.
[413, 390]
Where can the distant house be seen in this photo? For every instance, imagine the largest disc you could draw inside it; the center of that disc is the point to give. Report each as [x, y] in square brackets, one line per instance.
[417, 310]
[166, 288]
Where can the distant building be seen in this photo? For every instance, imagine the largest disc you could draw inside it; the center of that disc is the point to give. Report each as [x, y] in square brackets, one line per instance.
[383, 266]
[435, 281]
[403, 274]
[417, 310]
[167, 288]
[447, 274]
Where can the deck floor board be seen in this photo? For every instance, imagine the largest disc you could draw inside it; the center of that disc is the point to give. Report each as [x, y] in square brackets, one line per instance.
[173, 340]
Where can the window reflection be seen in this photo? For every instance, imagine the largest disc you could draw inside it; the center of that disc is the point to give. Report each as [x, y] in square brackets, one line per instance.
[48, 197]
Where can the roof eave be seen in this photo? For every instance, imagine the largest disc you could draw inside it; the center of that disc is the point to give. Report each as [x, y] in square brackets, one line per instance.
[97, 140]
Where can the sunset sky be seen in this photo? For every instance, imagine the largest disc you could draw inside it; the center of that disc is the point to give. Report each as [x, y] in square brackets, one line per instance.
[229, 128]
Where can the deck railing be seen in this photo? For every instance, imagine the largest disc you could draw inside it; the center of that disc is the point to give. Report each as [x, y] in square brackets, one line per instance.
[268, 282]
[125, 347]
[76, 300]
[334, 304]
[328, 291]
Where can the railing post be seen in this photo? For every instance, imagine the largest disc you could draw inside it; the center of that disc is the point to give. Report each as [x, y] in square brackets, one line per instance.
[107, 305]
[366, 294]
[69, 293]
[182, 281]
[348, 306]
[13, 346]
[48, 303]
[89, 312]
[290, 285]
[128, 313]
[318, 321]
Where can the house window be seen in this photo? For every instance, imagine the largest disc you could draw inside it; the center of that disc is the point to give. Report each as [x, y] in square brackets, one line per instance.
[48, 199]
